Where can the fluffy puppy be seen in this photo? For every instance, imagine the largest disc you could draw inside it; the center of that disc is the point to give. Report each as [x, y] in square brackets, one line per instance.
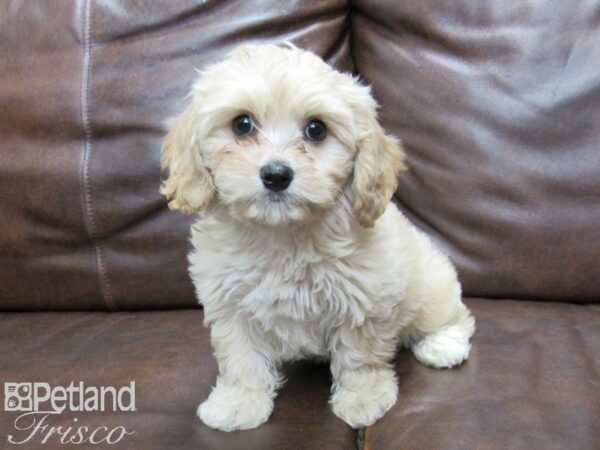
[298, 251]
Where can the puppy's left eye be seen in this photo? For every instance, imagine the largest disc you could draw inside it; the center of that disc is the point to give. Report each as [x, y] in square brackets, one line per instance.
[315, 130]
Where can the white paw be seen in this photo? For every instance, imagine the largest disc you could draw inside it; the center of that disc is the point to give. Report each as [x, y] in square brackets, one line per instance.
[230, 408]
[362, 399]
[447, 347]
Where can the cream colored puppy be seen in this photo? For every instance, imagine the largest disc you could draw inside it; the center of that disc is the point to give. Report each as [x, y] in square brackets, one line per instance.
[298, 251]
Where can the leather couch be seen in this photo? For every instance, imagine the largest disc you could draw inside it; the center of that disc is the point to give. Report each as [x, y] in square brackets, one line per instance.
[498, 105]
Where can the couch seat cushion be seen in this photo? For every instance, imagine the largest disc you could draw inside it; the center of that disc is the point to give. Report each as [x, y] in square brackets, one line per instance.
[168, 355]
[532, 381]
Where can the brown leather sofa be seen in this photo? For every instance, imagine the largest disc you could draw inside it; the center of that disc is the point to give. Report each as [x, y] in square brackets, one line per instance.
[498, 104]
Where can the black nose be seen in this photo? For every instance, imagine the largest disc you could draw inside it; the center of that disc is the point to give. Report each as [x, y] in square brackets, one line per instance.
[276, 176]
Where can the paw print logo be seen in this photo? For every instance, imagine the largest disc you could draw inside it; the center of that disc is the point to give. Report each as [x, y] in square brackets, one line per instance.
[17, 397]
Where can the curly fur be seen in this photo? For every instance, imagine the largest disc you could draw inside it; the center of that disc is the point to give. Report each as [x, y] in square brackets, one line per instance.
[329, 269]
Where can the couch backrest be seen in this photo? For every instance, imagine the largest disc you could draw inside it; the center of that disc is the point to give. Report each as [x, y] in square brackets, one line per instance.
[85, 88]
[498, 105]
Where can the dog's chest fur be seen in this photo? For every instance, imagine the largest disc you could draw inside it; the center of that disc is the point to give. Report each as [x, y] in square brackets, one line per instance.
[295, 288]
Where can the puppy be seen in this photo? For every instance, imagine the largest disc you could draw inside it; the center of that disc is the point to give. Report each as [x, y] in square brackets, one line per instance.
[298, 251]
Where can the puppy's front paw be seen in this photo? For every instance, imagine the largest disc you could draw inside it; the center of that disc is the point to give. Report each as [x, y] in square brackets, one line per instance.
[230, 408]
[362, 398]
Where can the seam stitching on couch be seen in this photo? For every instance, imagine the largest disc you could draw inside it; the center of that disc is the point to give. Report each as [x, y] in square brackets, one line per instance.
[89, 219]
[360, 438]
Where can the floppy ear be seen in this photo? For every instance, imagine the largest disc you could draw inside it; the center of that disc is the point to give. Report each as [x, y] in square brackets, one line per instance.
[378, 160]
[189, 186]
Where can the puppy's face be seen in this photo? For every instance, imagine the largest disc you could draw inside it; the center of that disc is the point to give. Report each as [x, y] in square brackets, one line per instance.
[276, 136]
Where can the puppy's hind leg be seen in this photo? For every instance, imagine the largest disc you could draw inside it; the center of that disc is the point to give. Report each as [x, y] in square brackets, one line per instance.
[442, 327]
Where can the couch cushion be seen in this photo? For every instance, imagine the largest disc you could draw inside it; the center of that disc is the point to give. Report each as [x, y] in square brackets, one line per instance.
[168, 355]
[85, 88]
[532, 381]
[498, 103]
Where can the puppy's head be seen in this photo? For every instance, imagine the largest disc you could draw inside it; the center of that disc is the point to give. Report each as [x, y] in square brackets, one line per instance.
[275, 136]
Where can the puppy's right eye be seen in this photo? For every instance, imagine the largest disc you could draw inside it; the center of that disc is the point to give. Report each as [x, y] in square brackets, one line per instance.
[243, 126]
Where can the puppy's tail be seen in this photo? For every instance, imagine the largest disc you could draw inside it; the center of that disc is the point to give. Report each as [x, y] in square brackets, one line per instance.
[289, 45]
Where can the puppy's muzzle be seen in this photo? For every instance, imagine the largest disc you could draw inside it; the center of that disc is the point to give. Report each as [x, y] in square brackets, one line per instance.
[276, 176]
